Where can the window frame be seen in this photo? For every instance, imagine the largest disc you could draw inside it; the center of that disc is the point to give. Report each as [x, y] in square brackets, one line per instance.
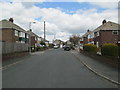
[113, 32]
[98, 33]
[16, 33]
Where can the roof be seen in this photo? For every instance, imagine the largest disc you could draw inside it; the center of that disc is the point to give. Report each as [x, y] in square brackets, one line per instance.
[32, 34]
[7, 24]
[46, 41]
[87, 33]
[108, 26]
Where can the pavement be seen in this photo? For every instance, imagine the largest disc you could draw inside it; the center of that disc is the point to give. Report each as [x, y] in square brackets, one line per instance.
[103, 70]
[54, 68]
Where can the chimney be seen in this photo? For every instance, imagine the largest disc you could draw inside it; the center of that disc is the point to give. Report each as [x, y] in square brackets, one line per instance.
[88, 30]
[103, 22]
[31, 30]
[11, 20]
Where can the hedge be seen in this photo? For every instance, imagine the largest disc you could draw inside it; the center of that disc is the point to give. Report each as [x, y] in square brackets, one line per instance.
[110, 49]
[90, 48]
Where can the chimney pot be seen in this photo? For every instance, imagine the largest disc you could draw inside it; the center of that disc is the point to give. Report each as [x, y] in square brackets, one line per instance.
[11, 20]
[104, 21]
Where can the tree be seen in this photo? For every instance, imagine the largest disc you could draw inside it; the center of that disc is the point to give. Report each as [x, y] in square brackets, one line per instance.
[74, 39]
[43, 43]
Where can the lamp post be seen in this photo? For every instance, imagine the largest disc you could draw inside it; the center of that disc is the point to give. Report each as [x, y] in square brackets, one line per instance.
[30, 30]
[44, 31]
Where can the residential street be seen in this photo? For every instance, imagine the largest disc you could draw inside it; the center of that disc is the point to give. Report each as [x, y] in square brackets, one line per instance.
[53, 68]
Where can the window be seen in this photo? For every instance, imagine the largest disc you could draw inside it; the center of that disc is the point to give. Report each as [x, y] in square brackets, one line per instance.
[16, 33]
[27, 36]
[39, 39]
[21, 34]
[89, 36]
[98, 34]
[115, 32]
[35, 38]
[92, 35]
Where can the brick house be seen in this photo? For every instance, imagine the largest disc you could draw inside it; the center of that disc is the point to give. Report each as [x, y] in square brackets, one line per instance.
[57, 42]
[108, 32]
[14, 40]
[35, 40]
[84, 39]
[13, 33]
[47, 43]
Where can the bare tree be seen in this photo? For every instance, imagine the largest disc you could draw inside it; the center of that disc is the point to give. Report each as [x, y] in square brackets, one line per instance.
[74, 39]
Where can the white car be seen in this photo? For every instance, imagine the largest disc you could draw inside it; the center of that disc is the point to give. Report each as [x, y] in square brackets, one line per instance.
[55, 47]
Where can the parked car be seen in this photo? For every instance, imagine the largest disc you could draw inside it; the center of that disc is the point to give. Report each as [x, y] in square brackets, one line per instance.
[67, 48]
[63, 46]
[56, 47]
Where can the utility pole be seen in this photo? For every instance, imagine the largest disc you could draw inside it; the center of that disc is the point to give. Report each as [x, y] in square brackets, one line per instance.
[44, 31]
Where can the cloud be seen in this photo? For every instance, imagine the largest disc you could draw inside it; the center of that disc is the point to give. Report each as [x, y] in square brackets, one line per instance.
[105, 4]
[58, 23]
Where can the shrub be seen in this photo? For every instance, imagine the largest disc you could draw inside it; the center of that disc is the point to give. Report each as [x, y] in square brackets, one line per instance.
[110, 49]
[90, 48]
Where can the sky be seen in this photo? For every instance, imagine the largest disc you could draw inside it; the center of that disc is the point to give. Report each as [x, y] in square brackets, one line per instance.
[63, 19]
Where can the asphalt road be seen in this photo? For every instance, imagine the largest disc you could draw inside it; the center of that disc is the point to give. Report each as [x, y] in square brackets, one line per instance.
[51, 69]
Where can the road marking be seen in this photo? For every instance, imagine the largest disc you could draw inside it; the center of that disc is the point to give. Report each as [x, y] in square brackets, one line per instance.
[113, 81]
[7, 66]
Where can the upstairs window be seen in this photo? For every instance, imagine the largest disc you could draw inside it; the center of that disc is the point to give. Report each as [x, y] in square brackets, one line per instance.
[16, 33]
[35, 38]
[92, 35]
[27, 36]
[21, 34]
[115, 32]
[39, 39]
[98, 34]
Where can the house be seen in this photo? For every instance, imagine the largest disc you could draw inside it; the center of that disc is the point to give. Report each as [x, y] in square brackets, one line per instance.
[108, 32]
[13, 33]
[85, 39]
[68, 42]
[47, 43]
[35, 40]
[57, 42]
[14, 39]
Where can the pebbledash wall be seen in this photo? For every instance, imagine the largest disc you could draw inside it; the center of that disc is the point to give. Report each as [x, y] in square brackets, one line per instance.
[9, 47]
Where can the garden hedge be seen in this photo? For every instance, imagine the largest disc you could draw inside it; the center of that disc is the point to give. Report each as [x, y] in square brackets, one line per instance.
[90, 48]
[110, 49]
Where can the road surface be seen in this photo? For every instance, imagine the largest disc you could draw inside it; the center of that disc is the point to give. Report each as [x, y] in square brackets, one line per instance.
[53, 68]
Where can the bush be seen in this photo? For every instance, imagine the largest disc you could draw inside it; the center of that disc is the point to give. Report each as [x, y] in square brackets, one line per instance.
[90, 48]
[110, 49]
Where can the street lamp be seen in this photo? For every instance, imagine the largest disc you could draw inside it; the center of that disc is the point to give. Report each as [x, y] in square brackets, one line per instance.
[30, 24]
[30, 36]
[44, 31]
